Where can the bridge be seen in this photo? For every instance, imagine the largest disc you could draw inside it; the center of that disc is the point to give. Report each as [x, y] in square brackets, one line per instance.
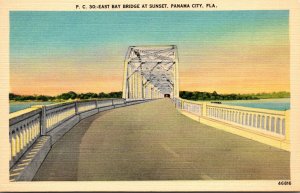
[151, 72]
[149, 134]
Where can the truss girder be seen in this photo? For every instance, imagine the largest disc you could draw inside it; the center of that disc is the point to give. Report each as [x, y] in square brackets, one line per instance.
[150, 72]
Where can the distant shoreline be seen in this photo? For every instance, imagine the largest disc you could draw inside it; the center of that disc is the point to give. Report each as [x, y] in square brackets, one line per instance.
[189, 95]
[248, 100]
[34, 101]
[61, 101]
[214, 96]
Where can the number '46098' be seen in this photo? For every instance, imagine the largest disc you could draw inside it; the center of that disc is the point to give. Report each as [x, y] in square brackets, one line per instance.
[284, 183]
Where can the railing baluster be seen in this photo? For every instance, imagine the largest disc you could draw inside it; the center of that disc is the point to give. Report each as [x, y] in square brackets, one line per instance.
[273, 124]
[13, 145]
[278, 129]
[283, 127]
[258, 121]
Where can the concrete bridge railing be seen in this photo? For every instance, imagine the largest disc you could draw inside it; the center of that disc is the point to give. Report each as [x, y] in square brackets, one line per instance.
[56, 114]
[267, 126]
[50, 122]
[23, 131]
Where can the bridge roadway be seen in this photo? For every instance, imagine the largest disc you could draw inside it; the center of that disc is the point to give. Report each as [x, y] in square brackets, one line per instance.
[153, 141]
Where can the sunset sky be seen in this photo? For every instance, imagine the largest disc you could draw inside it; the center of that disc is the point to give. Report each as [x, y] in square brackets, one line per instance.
[223, 51]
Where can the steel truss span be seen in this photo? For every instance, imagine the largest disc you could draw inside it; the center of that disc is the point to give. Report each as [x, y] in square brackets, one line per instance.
[151, 72]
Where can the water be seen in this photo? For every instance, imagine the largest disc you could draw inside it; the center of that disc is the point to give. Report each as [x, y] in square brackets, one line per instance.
[272, 104]
[17, 106]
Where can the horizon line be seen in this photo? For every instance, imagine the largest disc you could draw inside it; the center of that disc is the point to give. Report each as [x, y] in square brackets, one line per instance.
[122, 91]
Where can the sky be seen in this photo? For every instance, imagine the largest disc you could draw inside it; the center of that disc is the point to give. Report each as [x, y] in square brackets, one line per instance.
[223, 51]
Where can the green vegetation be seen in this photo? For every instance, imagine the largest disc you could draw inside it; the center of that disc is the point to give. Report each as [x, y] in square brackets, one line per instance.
[281, 94]
[29, 97]
[215, 96]
[64, 96]
[183, 94]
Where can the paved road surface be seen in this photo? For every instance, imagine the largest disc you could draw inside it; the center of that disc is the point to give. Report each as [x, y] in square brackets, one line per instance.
[153, 141]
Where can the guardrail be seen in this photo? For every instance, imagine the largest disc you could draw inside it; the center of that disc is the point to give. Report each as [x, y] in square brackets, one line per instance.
[27, 125]
[56, 114]
[86, 106]
[264, 121]
[24, 129]
[270, 123]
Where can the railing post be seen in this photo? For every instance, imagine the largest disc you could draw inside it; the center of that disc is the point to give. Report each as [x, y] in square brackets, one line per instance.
[76, 108]
[43, 121]
[204, 109]
[287, 126]
[96, 103]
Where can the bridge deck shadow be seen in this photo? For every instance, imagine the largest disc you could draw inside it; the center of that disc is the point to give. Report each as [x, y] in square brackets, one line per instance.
[153, 141]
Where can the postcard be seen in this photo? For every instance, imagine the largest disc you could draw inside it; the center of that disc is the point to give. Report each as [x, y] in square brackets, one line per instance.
[150, 95]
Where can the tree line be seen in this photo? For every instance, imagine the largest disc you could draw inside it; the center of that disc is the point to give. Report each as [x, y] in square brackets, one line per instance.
[65, 96]
[195, 95]
[189, 95]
